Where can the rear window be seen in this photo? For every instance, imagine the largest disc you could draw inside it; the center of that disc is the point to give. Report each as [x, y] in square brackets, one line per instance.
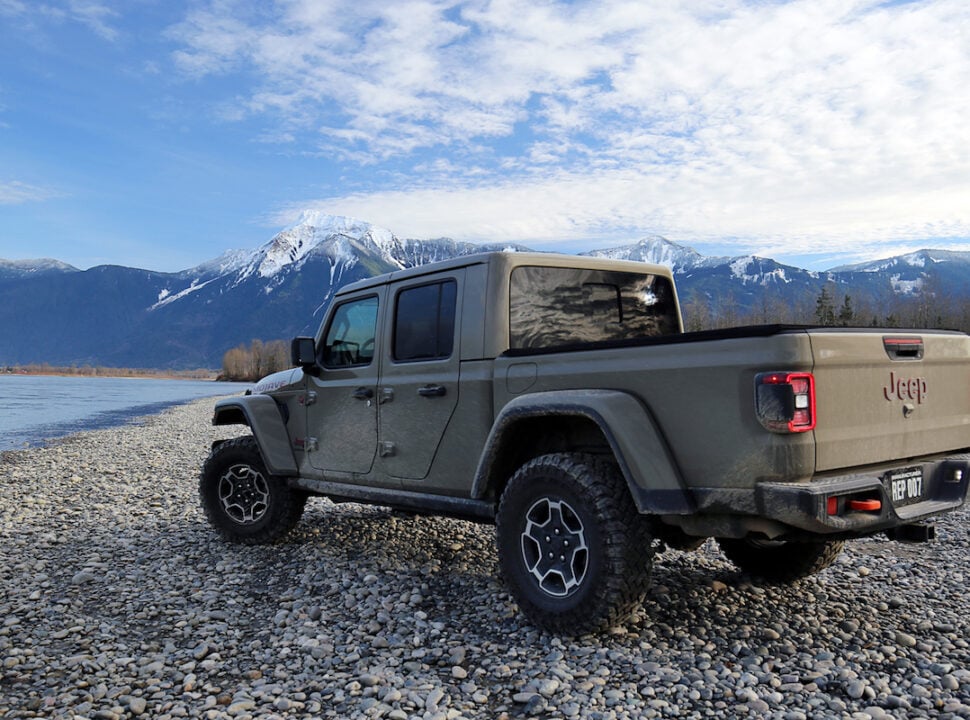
[552, 307]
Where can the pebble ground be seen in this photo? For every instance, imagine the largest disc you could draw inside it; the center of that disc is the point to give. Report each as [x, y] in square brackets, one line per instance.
[118, 601]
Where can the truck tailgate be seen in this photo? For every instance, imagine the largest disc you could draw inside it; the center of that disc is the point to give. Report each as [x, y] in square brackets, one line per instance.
[883, 396]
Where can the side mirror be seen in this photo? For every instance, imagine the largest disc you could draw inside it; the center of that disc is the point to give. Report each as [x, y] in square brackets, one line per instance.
[303, 352]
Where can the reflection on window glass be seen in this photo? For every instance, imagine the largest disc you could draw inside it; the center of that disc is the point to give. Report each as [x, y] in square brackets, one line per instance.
[350, 338]
[552, 307]
[424, 325]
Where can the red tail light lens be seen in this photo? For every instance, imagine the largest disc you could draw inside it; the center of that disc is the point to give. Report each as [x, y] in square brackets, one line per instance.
[785, 401]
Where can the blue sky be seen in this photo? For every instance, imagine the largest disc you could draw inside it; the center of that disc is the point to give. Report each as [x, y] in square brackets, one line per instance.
[158, 133]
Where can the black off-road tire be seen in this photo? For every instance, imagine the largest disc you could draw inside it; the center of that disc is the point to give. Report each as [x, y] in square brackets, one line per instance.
[574, 551]
[780, 562]
[242, 501]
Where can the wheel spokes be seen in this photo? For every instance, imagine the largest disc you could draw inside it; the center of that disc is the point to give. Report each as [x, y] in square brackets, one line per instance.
[244, 494]
[554, 547]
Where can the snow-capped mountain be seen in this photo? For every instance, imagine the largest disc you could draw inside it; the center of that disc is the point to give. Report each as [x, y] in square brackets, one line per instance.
[337, 238]
[109, 315]
[338, 243]
[346, 248]
[658, 250]
[936, 272]
[14, 269]
[920, 259]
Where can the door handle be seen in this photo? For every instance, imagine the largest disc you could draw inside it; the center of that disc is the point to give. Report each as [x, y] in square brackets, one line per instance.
[432, 391]
[363, 393]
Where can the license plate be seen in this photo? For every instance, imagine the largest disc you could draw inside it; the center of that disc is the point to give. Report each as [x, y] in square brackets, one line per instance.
[905, 486]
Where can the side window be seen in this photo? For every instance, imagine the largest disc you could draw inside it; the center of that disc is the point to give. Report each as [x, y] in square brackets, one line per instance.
[350, 338]
[560, 307]
[424, 323]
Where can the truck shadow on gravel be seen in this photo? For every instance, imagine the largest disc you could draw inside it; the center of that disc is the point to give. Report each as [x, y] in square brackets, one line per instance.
[695, 597]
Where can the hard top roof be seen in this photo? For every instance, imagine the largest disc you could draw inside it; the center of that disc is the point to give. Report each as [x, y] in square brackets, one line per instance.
[507, 260]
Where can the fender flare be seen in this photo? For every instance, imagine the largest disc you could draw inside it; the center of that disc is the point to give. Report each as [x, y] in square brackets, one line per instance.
[641, 451]
[263, 417]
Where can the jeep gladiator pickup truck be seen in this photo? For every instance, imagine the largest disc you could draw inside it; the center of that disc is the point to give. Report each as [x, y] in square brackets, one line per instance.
[559, 398]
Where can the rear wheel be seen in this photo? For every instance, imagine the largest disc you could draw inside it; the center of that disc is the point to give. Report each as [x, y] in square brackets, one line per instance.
[780, 561]
[576, 554]
[242, 501]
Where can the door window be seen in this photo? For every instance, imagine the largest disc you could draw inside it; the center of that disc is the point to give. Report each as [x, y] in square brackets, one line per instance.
[424, 324]
[349, 340]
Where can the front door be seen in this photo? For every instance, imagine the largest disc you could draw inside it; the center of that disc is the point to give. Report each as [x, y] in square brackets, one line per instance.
[341, 398]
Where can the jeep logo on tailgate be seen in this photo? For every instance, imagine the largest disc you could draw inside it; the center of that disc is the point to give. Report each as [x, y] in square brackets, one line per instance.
[900, 388]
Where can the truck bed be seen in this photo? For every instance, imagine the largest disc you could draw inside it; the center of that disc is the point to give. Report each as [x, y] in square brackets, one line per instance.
[699, 388]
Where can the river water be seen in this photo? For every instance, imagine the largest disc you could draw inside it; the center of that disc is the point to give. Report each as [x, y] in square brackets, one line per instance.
[37, 408]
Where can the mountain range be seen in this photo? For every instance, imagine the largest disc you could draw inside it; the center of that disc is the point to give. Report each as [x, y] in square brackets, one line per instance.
[51, 312]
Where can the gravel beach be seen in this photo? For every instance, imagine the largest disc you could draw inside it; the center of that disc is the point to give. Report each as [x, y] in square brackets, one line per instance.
[119, 601]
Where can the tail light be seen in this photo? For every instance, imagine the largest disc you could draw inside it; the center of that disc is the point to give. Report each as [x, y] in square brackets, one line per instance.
[785, 401]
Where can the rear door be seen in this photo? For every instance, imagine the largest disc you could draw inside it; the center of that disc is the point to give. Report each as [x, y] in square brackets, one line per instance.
[419, 379]
[884, 396]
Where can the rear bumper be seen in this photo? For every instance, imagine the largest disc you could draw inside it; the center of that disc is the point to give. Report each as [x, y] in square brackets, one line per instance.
[850, 505]
[861, 504]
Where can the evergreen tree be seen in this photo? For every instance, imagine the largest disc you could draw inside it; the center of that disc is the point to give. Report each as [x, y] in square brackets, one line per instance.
[846, 314]
[824, 308]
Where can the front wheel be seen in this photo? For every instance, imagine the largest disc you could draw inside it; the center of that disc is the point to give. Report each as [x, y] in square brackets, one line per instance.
[780, 561]
[241, 500]
[576, 554]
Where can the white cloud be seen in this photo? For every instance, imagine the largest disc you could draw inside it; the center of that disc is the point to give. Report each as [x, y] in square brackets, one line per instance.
[610, 203]
[790, 125]
[97, 16]
[18, 193]
[12, 7]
